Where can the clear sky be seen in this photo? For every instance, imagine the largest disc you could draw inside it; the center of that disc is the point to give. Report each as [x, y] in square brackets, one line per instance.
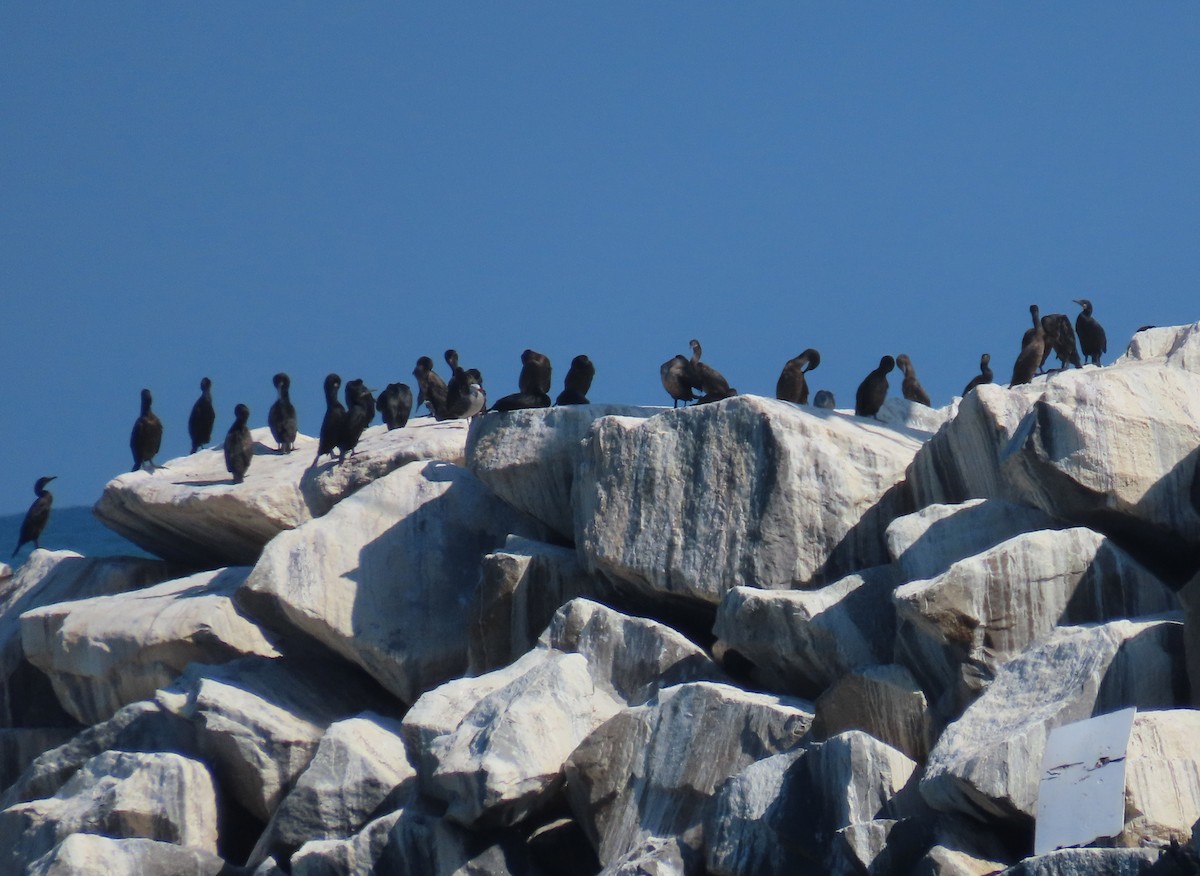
[234, 189]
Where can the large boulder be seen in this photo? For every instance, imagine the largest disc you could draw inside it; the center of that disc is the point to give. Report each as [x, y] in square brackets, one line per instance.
[357, 855]
[119, 794]
[801, 641]
[987, 764]
[955, 630]
[1088, 862]
[884, 701]
[749, 491]
[88, 854]
[752, 822]
[528, 457]
[20, 745]
[651, 771]
[48, 577]
[105, 652]
[189, 509]
[1162, 779]
[385, 578]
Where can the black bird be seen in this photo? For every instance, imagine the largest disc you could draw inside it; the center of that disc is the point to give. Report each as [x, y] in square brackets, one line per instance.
[239, 446]
[533, 384]
[824, 399]
[792, 386]
[146, 437]
[984, 375]
[1033, 348]
[282, 415]
[873, 390]
[1060, 340]
[676, 374]
[335, 415]
[467, 398]
[360, 411]
[578, 382]
[395, 404]
[431, 389]
[36, 516]
[1092, 340]
[200, 422]
[911, 387]
[707, 379]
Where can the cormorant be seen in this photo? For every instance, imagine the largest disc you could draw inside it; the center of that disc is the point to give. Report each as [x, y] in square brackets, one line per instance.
[200, 421]
[1033, 348]
[331, 425]
[282, 416]
[431, 389]
[791, 385]
[1092, 340]
[824, 399]
[535, 373]
[984, 375]
[707, 379]
[910, 387]
[360, 411]
[873, 390]
[36, 516]
[1060, 340]
[146, 437]
[467, 399]
[395, 404]
[676, 373]
[239, 446]
[578, 382]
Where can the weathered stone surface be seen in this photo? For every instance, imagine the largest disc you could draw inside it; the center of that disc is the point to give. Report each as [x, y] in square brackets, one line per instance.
[87, 854]
[120, 794]
[385, 578]
[955, 630]
[45, 578]
[1162, 779]
[960, 848]
[857, 847]
[883, 701]
[20, 745]
[528, 457]
[360, 767]
[651, 770]
[1087, 862]
[1177, 346]
[801, 641]
[987, 764]
[358, 855]
[898, 411]
[561, 848]
[259, 721]
[752, 822]
[105, 652]
[520, 589]
[655, 856]
[749, 491]
[926, 543]
[189, 510]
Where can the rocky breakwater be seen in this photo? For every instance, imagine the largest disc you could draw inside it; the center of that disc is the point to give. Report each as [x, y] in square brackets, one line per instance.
[748, 637]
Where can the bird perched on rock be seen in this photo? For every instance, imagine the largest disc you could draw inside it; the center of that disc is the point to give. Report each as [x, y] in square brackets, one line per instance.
[676, 375]
[824, 399]
[331, 424]
[1060, 340]
[578, 382]
[984, 375]
[533, 384]
[146, 438]
[873, 390]
[465, 397]
[707, 379]
[431, 389]
[792, 385]
[202, 417]
[36, 517]
[360, 411]
[239, 446]
[1092, 340]
[910, 387]
[395, 404]
[1033, 348]
[282, 415]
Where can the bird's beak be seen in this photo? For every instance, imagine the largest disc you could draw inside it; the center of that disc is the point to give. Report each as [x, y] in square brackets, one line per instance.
[54, 478]
[1077, 301]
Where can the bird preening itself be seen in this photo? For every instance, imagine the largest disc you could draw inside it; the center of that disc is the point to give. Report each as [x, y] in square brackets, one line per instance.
[578, 382]
[711, 383]
[395, 405]
[873, 390]
[1060, 340]
[360, 411]
[792, 385]
[431, 389]
[36, 517]
[239, 446]
[1092, 340]
[675, 373]
[146, 437]
[984, 375]
[282, 416]
[1033, 349]
[533, 384]
[910, 387]
[202, 418]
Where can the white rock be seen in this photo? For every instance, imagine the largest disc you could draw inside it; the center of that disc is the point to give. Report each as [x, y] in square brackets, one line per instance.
[801, 641]
[655, 857]
[898, 411]
[1177, 346]
[1162, 779]
[189, 510]
[358, 855]
[987, 764]
[861, 847]
[528, 457]
[955, 630]
[884, 701]
[86, 854]
[651, 770]
[385, 579]
[120, 794]
[752, 823]
[747, 491]
[105, 652]
[1087, 862]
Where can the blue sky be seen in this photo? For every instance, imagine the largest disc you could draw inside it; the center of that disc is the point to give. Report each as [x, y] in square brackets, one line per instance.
[231, 189]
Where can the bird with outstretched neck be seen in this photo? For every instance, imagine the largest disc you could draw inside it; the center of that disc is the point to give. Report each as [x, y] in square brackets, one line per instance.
[37, 516]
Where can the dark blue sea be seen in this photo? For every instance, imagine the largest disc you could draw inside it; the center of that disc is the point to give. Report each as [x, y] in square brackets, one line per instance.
[70, 529]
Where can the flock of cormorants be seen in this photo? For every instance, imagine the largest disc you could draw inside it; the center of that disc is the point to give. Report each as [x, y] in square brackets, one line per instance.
[684, 379]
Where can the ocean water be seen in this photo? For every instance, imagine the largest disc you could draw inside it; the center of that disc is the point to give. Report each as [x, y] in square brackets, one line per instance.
[69, 529]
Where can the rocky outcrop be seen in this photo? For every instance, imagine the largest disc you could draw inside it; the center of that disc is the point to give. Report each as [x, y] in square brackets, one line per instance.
[794, 497]
[189, 510]
[1162, 779]
[108, 651]
[85, 854]
[885, 702]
